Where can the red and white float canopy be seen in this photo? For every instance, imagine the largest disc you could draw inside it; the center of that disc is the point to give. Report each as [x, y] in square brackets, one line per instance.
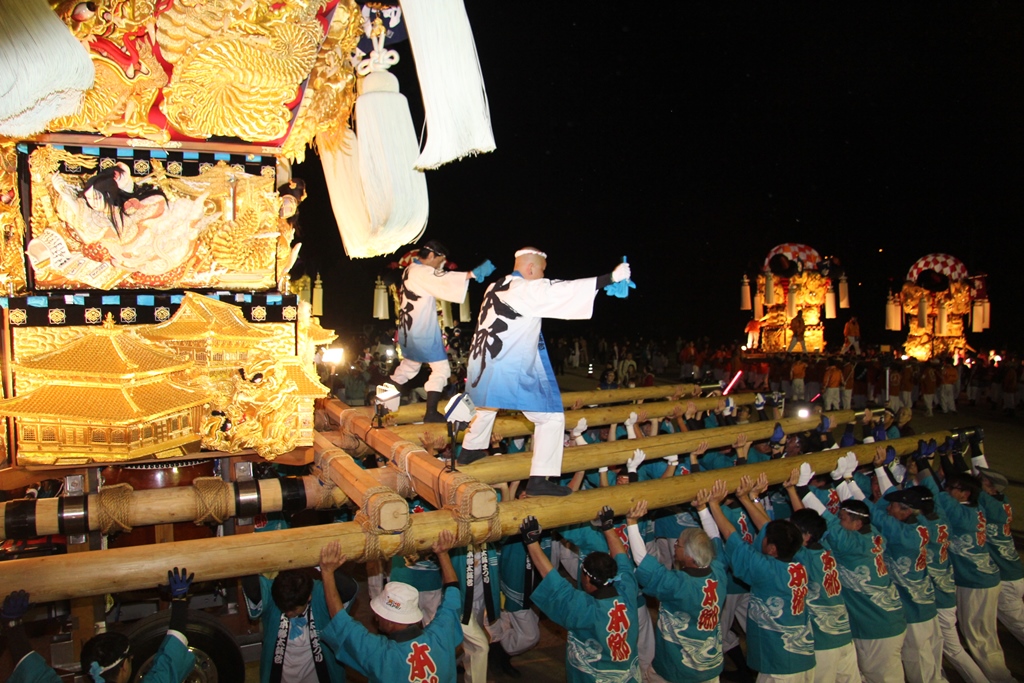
[947, 265]
[807, 256]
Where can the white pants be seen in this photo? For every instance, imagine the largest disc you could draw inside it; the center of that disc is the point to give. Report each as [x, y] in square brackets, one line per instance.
[802, 677]
[929, 403]
[976, 611]
[1011, 607]
[879, 659]
[922, 652]
[516, 631]
[797, 340]
[645, 635]
[895, 403]
[907, 398]
[440, 371]
[735, 609]
[430, 601]
[838, 665]
[548, 432]
[832, 398]
[851, 343]
[797, 386]
[847, 395]
[946, 398]
[954, 651]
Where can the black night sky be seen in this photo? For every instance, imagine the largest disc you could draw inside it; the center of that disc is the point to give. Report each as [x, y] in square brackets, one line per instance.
[694, 137]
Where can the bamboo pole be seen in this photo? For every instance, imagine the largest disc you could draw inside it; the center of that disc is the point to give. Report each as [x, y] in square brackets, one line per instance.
[428, 475]
[140, 567]
[517, 425]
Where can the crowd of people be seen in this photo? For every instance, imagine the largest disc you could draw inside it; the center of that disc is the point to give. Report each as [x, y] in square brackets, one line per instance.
[867, 572]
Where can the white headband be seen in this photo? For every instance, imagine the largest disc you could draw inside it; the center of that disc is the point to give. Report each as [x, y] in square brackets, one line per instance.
[524, 252]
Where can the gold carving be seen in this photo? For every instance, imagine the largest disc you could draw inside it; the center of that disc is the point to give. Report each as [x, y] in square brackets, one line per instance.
[57, 316]
[93, 315]
[18, 316]
[12, 226]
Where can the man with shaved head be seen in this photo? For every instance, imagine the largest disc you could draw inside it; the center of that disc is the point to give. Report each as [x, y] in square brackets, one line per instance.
[509, 365]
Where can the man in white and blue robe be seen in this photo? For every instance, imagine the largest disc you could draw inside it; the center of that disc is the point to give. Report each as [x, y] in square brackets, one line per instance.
[424, 282]
[509, 366]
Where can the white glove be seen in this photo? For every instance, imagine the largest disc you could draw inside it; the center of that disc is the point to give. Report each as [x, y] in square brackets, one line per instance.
[730, 407]
[621, 272]
[851, 464]
[602, 469]
[580, 427]
[630, 425]
[672, 460]
[840, 471]
[978, 461]
[634, 462]
[806, 474]
[899, 472]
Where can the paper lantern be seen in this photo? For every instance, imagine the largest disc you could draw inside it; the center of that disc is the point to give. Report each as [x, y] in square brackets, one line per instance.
[769, 288]
[844, 292]
[446, 315]
[318, 296]
[977, 316]
[745, 294]
[942, 327]
[465, 314]
[830, 304]
[380, 301]
[893, 315]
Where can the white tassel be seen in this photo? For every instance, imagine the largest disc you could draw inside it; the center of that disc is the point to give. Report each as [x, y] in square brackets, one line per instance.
[830, 304]
[769, 288]
[379, 200]
[987, 308]
[465, 314]
[922, 312]
[758, 308]
[844, 292]
[943, 323]
[745, 294]
[44, 70]
[454, 100]
[893, 315]
[318, 296]
[791, 303]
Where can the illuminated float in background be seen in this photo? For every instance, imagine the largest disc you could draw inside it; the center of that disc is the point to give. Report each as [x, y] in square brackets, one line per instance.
[939, 299]
[795, 278]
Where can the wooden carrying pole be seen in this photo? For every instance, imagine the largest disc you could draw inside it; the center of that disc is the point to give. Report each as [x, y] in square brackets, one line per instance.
[414, 412]
[428, 475]
[120, 508]
[141, 567]
[384, 506]
[500, 468]
[515, 426]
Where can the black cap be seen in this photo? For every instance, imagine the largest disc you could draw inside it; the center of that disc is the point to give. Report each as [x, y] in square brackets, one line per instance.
[914, 497]
[436, 247]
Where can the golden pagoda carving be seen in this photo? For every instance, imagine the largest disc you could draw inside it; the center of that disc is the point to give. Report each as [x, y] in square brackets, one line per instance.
[107, 396]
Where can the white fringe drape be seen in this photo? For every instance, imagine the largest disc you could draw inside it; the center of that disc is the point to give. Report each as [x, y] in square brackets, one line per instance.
[458, 119]
[44, 70]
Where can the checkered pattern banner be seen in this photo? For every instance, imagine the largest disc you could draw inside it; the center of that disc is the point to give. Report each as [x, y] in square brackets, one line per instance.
[806, 255]
[176, 163]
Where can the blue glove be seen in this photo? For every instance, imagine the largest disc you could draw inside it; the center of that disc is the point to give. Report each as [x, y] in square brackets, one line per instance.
[778, 436]
[879, 433]
[483, 270]
[621, 288]
[848, 439]
[179, 581]
[890, 455]
[15, 605]
[759, 402]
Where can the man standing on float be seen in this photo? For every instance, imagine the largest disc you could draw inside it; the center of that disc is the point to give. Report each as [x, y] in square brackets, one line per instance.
[424, 281]
[509, 366]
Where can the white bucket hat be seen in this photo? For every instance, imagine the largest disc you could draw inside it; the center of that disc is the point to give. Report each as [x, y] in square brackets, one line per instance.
[398, 602]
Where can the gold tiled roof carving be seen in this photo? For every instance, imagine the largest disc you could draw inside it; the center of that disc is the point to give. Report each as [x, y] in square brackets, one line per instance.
[200, 317]
[109, 354]
[111, 405]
